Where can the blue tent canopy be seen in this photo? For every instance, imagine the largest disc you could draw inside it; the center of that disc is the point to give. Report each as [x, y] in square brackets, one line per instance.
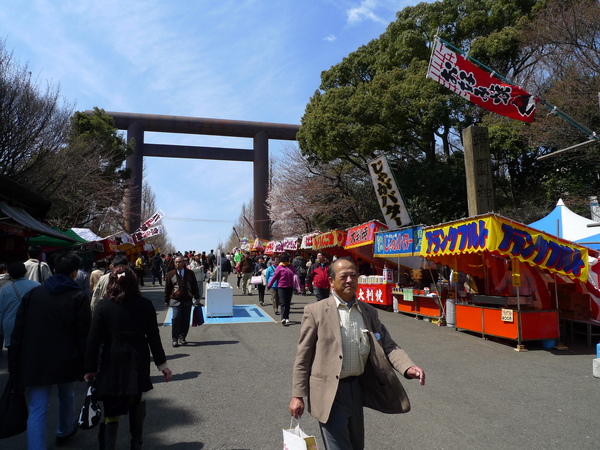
[564, 223]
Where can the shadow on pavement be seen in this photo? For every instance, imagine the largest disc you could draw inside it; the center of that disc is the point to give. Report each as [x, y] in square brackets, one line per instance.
[206, 343]
[176, 377]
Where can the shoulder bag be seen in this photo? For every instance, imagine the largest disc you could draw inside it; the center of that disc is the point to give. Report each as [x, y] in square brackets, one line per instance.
[13, 409]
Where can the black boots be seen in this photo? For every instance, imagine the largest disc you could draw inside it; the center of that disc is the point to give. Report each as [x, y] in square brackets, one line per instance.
[137, 413]
[107, 436]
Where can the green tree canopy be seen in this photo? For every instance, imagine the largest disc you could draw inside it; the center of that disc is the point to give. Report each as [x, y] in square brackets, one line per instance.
[378, 100]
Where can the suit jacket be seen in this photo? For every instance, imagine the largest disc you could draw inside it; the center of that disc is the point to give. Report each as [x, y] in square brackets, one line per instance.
[319, 357]
[187, 286]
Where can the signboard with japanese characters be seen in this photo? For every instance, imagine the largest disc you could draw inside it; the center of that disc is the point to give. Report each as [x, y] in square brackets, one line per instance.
[509, 239]
[307, 241]
[290, 244]
[404, 242]
[335, 238]
[270, 248]
[389, 196]
[371, 293]
[156, 217]
[139, 236]
[363, 234]
[458, 73]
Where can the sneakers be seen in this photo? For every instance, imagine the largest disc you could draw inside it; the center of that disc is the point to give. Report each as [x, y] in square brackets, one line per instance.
[277, 312]
[262, 303]
[175, 344]
[285, 322]
[182, 341]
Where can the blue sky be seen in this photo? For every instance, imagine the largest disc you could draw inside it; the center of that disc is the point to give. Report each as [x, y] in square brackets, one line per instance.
[255, 60]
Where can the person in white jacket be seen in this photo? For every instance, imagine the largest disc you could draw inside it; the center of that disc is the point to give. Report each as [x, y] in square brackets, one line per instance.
[36, 270]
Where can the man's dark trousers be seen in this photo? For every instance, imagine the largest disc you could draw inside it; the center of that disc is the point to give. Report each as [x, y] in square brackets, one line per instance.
[181, 319]
[345, 429]
[321, 294]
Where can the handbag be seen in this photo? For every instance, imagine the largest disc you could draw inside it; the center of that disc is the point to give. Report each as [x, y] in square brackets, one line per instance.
[13, 409]
[197, 316]
[91, 412]
[256, 279]
[296, 439]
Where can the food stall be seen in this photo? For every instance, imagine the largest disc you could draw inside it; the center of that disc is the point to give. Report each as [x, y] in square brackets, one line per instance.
[513, 267]
[359, 243]
[332, 242]
[407, 294]
[306, 242]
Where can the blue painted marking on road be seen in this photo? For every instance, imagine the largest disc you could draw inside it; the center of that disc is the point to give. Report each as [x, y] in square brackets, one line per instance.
[241, 314]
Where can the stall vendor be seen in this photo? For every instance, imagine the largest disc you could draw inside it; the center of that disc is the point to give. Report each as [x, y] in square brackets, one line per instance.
[528, 287]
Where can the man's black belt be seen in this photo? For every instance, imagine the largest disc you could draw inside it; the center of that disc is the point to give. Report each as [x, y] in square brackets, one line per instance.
[348, 379]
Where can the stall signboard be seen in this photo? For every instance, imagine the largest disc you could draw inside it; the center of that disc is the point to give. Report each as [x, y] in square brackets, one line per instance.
[122, 239]
[363, 234]
[270, 248]
[259, 244]
[307, 241]
[92, 247]
[334, 238]
[389, 196]
[374, 293]
[404, 242]
[110, 246]
[290, 244]
[507, 238]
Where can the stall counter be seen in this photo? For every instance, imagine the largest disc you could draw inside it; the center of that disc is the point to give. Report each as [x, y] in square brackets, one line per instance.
[376, 294]
[535, 324]
[421, 305]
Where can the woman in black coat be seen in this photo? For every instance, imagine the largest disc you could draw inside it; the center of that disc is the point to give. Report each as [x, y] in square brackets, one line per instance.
[124, 325]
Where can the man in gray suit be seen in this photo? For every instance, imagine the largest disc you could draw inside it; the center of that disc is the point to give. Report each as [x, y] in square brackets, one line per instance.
[346, 360]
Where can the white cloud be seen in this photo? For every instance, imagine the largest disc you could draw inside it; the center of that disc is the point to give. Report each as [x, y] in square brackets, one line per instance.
[330, 38]
[364, 12]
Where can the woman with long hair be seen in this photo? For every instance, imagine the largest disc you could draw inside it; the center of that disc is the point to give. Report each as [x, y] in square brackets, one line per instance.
[124, 326]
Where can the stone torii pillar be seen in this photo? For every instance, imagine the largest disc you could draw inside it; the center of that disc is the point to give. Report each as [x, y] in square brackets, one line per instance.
[137, 124]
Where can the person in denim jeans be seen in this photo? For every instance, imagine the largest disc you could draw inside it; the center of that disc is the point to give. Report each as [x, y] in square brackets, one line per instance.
[48, 347]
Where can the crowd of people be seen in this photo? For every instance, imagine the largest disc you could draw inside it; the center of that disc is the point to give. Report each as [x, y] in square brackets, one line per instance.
[64, 325]
[54, 339]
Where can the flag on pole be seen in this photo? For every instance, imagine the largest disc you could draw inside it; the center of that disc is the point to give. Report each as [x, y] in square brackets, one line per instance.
[140, 235]
[251, 227]
[388, 194]
[459, 74]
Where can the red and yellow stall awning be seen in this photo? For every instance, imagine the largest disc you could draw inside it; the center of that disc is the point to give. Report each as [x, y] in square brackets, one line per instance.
[504, 237]
[363, 234]
[334, 238]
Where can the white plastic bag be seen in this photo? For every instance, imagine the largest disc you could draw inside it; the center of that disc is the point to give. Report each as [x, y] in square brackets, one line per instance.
[296, 439]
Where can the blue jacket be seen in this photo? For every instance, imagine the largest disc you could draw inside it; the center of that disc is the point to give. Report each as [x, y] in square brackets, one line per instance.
[269, 274]
[9, 304]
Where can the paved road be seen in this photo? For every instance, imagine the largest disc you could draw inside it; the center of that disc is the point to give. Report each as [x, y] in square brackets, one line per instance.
[231, 390]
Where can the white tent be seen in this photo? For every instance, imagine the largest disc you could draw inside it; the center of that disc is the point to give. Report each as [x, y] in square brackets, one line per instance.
[87, 234]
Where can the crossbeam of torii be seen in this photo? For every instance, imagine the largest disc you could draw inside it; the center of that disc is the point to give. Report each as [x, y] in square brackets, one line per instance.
[137, 124]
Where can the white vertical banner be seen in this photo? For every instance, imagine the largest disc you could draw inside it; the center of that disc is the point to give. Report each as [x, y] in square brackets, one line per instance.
[389, 196]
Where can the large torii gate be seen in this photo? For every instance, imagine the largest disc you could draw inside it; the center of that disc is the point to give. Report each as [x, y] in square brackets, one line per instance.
[260, 132]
